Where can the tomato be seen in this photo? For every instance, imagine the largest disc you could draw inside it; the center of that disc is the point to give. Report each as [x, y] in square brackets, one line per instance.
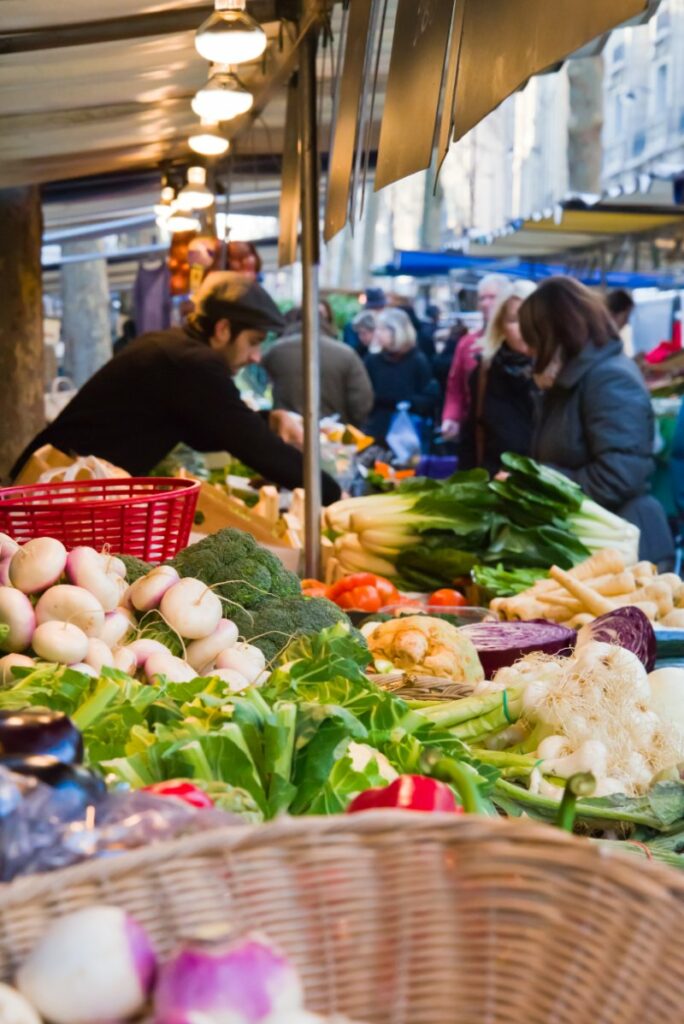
[447, 598]
[360, 599]
[357, 579]
[410, 793]
[314, 588]
[388, 592]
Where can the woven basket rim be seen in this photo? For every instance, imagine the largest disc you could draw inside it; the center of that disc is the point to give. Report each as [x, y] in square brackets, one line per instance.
[647, 878]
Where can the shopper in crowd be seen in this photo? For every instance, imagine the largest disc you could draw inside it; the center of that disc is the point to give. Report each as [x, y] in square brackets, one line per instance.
[399, 372]
[620, 306]
[345, 386]
[596, 421]
[446, 343]
[457, 396]
[325, 311]
[503, 393]
[175, 386]
[375, 301]
[361, 332]
[423, 328]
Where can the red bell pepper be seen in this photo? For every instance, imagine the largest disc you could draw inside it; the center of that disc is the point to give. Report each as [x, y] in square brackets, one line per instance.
[410, 793]
[183, 790]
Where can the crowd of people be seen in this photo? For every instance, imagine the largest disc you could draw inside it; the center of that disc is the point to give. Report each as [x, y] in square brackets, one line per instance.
[544, 375]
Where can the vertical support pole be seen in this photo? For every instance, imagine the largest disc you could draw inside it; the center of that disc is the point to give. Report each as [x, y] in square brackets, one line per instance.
[310, 320]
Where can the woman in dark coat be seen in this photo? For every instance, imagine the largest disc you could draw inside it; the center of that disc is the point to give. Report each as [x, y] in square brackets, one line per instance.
[399, 372]
[596, 422]
[503, 393]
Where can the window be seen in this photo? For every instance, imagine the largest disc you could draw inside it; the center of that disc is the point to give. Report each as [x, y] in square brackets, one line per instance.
[662, 89]
[617, 56]
[639, 143]
[663, 23]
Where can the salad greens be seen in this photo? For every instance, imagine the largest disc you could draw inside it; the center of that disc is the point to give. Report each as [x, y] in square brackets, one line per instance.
[317, 734]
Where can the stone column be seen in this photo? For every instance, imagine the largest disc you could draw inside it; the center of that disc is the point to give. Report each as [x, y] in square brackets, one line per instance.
[21, 322]
[86, 328]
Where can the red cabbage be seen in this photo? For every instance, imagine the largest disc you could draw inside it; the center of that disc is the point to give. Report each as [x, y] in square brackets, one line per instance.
[626, 627]
[500, 644]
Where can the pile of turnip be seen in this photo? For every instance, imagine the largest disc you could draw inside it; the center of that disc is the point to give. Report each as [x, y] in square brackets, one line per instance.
[98, 964]
[76, 608]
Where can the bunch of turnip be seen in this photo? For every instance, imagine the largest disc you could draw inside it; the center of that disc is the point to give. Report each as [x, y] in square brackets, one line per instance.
[76, 609]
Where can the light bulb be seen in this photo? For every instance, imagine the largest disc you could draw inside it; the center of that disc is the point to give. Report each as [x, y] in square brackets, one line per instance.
[222, 98]
[181, 220]
[208, 141]
[196, 194]
[230, 35]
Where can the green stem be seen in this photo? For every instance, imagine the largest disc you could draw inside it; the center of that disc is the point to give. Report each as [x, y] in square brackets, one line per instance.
[105, 693]
[454, 712]
[547, 806]
[446, 769]
[581, 784]
[503, 758]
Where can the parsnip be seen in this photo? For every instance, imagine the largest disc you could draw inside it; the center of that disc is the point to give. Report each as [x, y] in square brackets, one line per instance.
[674, 619]
[590, 600]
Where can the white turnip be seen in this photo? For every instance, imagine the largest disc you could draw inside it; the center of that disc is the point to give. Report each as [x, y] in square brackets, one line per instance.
[4, 571]
[7, 664]
[235, 680]
[147, 592]
[91, 966]
[243, 658]
[14, 1009]
[117, 626]
[60, 642]
[144, 649]
[201, 654]
[175, 669]
[65, 603]
[98, 654]
[38, 565]
[125, 660]
[114, 565]
[8, 546]
[87, 568]
[191, 609]
[245, 981]
[16, 611]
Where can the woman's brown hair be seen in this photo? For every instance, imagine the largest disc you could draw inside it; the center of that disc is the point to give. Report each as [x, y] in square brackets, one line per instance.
[563, 314]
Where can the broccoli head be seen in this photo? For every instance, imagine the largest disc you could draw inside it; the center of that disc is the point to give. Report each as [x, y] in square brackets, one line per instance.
[277, 621]
[247, 574]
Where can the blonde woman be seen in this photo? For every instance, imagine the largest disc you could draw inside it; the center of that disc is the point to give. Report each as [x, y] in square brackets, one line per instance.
[503, 392]
[399, 372]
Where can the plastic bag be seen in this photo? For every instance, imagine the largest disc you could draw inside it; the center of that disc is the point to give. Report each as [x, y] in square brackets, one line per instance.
[402, 436]
[43, 829]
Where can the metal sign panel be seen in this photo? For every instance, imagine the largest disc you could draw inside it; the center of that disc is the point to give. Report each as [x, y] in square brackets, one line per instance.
[346, 125]
[506, 41]
[290, 189]
[419, 47]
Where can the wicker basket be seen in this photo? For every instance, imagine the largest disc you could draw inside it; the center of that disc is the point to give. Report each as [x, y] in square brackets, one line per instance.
[406, 919]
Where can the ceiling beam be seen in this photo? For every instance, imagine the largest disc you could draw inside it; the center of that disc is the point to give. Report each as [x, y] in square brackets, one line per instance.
[114, 30]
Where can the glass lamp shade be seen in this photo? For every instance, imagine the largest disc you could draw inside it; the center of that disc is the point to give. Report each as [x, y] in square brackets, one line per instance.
[181, 220]
[222, 98]
[208, 141]
[196, 195]
[230, 35]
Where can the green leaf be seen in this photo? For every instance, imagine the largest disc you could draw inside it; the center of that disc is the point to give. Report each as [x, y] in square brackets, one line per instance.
[545, 481]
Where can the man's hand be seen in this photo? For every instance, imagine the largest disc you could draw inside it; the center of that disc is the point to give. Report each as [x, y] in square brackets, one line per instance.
[289, 428]
[450, 430]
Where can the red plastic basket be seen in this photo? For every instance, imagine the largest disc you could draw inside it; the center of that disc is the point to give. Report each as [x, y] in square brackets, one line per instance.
[150, 517]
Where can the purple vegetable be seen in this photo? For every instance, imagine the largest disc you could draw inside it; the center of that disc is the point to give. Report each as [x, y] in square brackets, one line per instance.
[625, 627]
[500, 644]
[38, 731]
[244, 981]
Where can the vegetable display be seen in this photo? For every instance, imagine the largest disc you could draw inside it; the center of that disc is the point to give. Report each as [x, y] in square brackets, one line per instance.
[427, 535]
[596, 587]
[500, 644]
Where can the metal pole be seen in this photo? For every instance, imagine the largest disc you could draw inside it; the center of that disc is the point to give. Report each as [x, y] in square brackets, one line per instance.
[310, 318]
